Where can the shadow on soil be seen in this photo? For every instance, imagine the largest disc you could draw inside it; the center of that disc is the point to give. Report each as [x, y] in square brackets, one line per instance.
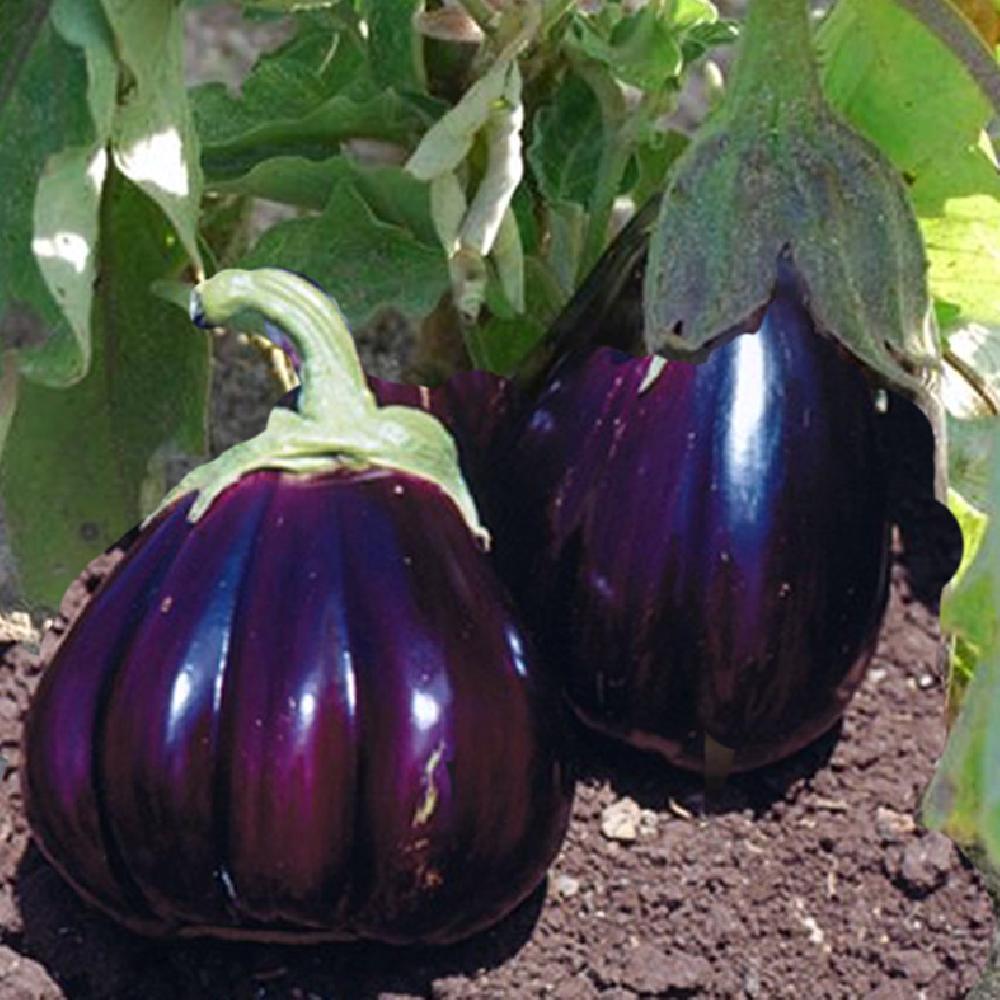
[92, 958]
[656, 785]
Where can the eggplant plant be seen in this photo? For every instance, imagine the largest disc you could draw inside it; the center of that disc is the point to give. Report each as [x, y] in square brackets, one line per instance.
[302, 706]
[700, 545]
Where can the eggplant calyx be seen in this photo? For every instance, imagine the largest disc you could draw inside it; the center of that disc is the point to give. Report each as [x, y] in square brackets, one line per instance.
[338, 424]
[775, 170]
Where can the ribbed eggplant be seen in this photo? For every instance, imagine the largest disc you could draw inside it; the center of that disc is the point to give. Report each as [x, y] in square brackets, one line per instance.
[306, 710]
[705, 546]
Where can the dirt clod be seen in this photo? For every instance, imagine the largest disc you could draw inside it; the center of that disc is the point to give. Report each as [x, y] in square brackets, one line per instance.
[926, 863]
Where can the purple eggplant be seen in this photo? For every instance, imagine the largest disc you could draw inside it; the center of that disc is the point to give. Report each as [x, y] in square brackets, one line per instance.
[306, 712]
[705, 547]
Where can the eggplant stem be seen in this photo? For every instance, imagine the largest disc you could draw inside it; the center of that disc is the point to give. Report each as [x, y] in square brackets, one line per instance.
[775, 64]
[332, 377]
[338, 423]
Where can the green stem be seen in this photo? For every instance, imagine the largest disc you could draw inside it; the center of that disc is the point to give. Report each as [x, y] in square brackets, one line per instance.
[610, 169]
[775, 63]
[332, 377]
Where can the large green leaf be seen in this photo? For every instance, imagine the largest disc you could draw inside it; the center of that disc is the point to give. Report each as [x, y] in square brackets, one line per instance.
[364, 262]
[964, 797]
[305, 100]
[154, 137]
[899, 85]
[393, 194]
[79, 462]
[57, 79]
[395, 49]
[567, 142]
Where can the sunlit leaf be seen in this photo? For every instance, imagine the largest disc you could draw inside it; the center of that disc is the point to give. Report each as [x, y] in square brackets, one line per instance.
[899, 85]
[79, 462]
[57, 98]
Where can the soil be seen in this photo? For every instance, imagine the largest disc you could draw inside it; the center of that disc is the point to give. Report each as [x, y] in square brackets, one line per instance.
[810, 879]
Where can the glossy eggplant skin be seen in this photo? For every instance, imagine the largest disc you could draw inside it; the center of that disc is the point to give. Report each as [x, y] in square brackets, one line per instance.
[706, 553]
[312, 714]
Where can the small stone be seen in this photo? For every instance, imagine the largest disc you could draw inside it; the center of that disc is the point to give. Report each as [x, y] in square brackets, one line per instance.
[925, 681]
[891, 826]
[620, 821]
[650, 970]
[15, 626]
[567, 886]
[926, 863]
[751, 982]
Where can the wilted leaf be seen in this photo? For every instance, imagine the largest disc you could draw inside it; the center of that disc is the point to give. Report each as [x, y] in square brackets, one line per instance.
[154, 138]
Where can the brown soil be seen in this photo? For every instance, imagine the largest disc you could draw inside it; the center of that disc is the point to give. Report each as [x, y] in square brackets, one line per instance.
[806, 880]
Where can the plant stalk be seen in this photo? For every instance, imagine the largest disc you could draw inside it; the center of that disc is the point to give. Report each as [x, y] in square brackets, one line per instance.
[775, 63]
[331, 377]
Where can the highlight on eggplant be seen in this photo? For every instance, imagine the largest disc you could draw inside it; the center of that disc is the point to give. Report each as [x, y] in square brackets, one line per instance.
[302, 707]
[705, 546]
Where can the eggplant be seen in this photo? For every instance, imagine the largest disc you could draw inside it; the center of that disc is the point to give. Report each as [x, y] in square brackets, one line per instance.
[703, 548]
[302, 707]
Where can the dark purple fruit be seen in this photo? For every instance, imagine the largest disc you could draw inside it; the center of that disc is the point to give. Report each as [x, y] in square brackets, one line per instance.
[303, 706]
[704, 551]
[311, 713]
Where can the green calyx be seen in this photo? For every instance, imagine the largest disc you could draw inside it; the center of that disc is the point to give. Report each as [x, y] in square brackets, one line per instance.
[338, 424]
[776, 171]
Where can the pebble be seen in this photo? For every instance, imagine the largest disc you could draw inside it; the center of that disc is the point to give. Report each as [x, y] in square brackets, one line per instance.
[567, 886]
[893, 827]
[620, 821]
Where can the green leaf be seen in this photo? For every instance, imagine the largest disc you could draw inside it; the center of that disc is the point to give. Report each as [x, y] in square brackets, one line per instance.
[395, 49]
[963, 799]
[567, 140]
[898, 84]
[304, 100]
[393, 194]
[501, 344]
[56, 97]
[566, 221]
[970, 392]
[653, 160]
[79, 462]
[154, 137]
[363, 262]
[959, 212]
